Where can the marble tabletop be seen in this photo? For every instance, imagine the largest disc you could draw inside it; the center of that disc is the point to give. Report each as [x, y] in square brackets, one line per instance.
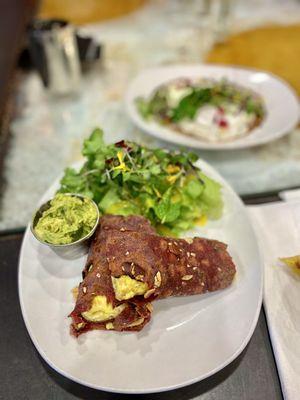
[47, 133]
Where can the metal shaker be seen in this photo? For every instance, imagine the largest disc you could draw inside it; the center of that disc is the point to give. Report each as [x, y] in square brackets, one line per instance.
[54, 51]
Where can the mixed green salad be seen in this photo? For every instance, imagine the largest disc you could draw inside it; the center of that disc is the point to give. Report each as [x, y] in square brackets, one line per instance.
[126, 178]
[182, 98]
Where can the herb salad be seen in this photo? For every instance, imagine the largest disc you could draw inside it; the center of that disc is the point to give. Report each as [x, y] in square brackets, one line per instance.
[213, 110]
[164, 186]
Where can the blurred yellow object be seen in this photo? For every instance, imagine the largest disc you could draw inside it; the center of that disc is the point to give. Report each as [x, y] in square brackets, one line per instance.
[292, 262]
[201, 221]
[274, 48]
[86, 11]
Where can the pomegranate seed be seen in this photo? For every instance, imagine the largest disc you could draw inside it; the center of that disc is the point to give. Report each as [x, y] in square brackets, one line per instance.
[223, 123]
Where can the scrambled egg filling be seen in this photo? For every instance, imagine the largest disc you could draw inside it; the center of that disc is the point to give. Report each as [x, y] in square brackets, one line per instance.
[101, 310]
[138, 322]
[125, 287]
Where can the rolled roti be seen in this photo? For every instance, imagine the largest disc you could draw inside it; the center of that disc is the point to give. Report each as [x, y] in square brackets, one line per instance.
[129, 266]
[96, 305]
[169, 267]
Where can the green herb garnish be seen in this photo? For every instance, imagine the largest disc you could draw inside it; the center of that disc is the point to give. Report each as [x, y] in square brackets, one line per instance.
[190, 104]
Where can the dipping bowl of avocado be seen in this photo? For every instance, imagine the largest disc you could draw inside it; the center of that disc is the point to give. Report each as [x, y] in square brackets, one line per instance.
[65, 221]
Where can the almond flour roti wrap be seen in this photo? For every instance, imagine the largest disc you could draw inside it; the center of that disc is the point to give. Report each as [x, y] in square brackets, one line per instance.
[129, 266]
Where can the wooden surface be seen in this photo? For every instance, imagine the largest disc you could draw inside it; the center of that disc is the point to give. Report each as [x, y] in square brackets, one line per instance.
[273, 48]
[24, 375]
[87, 11]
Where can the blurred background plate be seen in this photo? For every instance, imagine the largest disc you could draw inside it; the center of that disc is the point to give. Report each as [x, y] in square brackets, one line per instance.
[282, 107]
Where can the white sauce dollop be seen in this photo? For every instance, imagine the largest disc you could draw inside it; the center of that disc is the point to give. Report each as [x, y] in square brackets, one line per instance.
[206, 124]
[210, 123]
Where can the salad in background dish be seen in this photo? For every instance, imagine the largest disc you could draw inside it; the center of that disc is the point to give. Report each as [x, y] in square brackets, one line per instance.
[209, 109]
[126, 178]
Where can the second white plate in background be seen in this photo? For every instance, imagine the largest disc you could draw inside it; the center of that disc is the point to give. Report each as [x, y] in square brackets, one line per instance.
[281, 103]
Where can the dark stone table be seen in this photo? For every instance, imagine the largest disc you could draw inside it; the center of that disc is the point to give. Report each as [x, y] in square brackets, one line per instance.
[24, 375]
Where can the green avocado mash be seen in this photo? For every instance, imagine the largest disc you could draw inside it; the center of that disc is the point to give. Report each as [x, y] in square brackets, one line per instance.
[67, 220]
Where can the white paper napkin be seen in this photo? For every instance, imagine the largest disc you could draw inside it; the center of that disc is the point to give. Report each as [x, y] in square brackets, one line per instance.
[288, 195]
[278, 230]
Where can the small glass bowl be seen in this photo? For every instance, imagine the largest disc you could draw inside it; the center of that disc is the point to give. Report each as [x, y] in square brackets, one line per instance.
[69, 250]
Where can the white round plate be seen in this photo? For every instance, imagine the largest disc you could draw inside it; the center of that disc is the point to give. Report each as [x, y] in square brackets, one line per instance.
[188, 338]
[281, 102]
